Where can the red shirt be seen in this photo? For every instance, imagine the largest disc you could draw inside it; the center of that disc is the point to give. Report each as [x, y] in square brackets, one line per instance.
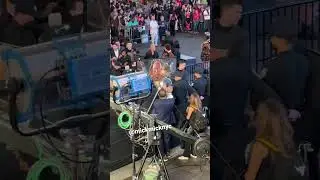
[188, 14]
[196, 15]
[179, 2]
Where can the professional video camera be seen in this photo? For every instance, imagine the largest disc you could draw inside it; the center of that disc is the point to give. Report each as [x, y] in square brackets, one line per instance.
[59, 90]
[130, 87]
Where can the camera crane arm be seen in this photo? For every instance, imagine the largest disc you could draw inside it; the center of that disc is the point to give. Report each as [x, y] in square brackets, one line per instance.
[147, 117]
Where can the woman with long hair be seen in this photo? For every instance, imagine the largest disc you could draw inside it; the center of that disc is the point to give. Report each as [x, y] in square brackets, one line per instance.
[152, 52]
[167, 52]
[273, 142]
[205, 50]
[194, 106]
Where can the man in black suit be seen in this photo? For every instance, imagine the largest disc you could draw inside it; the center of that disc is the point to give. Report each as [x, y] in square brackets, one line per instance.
[115, 51]
[163, 108]
[182, 67]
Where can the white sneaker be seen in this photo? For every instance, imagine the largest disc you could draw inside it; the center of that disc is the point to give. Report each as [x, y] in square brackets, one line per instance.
[193, 156]
[183, 158]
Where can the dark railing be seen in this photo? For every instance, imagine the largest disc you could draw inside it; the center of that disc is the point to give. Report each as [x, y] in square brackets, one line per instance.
[205, 65]
[305, 14]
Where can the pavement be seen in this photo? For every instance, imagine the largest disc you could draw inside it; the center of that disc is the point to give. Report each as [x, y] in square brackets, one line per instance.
[192, 169]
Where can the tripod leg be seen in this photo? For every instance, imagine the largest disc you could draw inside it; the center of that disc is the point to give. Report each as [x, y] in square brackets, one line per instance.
[164, 166]
[143, 161]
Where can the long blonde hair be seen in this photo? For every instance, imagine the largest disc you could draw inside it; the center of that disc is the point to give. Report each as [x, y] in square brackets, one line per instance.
[272, 124]
[195, 101]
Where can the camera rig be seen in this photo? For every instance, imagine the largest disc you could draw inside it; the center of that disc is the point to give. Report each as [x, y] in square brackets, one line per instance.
[201, 142]
[132, 116]
[56, 90]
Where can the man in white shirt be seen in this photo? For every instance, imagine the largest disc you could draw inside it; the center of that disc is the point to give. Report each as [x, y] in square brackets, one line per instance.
[154, 31]
[206, 14]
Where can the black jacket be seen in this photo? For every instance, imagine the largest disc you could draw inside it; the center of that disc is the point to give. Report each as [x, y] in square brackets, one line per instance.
[150, 56]
[181, 91]
[164, 109]
[200, 85]
[287, 75]
[230, 83]
[235, 39]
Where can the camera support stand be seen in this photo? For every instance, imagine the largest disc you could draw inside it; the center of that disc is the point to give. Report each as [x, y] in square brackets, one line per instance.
[156, 150]
[153, 145]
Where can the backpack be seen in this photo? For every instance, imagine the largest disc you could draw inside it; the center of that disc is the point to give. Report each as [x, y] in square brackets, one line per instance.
[286, 168]
[198, 122]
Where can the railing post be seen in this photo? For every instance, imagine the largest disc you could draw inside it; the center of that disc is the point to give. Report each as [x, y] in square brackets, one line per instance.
[304, 13]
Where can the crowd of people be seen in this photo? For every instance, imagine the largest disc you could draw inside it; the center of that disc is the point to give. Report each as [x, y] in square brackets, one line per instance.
[133, 20]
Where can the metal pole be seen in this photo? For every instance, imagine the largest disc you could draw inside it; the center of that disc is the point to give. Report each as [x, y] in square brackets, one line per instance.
[133, 158]
[154, 98]
[75, 156]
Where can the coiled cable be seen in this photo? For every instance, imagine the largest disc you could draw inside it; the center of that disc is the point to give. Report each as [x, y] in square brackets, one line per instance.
[42, 164]
[53, 163]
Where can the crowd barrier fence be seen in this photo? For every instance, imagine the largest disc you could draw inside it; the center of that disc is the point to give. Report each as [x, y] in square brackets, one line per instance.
[129, 33]
[205, 65]
[306, 16]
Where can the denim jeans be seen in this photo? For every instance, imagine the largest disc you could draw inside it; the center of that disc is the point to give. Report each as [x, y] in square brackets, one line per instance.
[196, 26]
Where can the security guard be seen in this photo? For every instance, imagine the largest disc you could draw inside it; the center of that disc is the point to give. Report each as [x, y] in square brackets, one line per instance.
[287, 74]
[181, 92]
[182, 65]
[200, 82]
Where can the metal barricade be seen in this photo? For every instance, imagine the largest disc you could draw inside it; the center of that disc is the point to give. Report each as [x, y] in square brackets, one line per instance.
[305, 14]
[204, 65]
[136, 33]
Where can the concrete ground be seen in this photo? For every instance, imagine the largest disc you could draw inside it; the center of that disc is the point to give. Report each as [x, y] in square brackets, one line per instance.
[177, 169]
[192, 169]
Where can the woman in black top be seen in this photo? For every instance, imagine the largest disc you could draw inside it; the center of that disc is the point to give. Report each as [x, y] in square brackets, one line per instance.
[273, 143]
[152, 53]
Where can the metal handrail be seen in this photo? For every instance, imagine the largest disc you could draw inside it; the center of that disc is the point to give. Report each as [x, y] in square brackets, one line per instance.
[315, 52]
[257, 21]
[290, 4]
